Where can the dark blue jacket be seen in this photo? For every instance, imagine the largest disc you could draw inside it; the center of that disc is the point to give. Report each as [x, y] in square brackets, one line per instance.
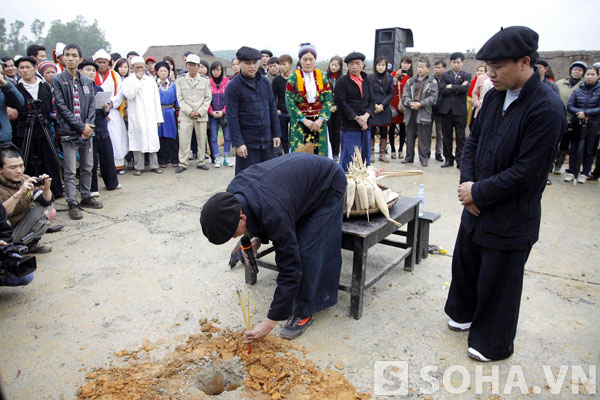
[508, 157]
[9, 97]
[101, 128]
[587, 99]
[251, 112]
[276, 196]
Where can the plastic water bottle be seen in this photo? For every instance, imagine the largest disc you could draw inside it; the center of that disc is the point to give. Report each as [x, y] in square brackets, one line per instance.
[421, 198]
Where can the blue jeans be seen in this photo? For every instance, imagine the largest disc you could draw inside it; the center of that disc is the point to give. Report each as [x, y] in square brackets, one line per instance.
[214, 136]
[583, 151]
[350, 139]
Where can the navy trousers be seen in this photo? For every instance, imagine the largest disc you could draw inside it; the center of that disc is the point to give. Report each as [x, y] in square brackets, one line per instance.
[255, 156]
[320, 244]
[350, 139]
[486, 290]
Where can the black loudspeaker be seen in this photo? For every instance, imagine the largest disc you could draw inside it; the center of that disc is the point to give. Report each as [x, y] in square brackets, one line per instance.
[391, 43]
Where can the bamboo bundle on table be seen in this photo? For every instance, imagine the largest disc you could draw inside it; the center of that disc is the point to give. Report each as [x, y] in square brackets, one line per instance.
[247, 313]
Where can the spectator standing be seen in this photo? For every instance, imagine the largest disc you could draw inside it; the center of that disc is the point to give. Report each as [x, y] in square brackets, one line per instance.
[167, 131]
[308, 101]
[335, 70]
[194, 97]
[75, 115]
[47, 69]
[251, 113]
[419, 96]
[478, 92]
[454, 86]
[144, 115]
[235, 67]
[438, 68]
[584, 106]
[150, 63]
[57, 57]
[173, 74]
[542, 65]
[10, 97]
[10, 70]
[273, 69]
[217, 115]
[383, 92]
[279, 87]
[400, 78]
[265, 56]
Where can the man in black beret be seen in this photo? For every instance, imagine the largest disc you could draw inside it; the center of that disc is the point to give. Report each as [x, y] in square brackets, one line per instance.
[265, 55]
[542, 66]
[251, 113]
[296, 201]
[504, 167]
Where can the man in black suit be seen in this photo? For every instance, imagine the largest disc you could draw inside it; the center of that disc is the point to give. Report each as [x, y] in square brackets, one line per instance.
[454, 86]
[504, 169]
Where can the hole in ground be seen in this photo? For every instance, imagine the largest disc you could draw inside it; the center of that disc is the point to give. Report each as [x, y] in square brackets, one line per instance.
[215, 378]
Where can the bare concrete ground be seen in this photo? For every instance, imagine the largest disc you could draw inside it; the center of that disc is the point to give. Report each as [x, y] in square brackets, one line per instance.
[140, 268]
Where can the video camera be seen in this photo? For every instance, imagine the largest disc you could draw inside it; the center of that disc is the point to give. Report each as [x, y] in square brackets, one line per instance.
[14, 263]
[34, 105]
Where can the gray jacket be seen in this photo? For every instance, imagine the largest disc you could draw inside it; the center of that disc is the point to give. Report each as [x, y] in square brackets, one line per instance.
[67, 126]
[429, 98]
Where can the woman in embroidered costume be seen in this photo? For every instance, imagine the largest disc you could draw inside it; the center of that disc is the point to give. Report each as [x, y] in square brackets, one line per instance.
[308, 100]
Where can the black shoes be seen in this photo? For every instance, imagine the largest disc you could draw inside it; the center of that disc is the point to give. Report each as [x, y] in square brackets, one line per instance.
[295, 326]
[447, 164]
[179, 169]
[438, 157]
[203, 167]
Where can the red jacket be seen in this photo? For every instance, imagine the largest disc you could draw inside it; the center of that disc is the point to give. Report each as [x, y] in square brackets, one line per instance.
[398, 88]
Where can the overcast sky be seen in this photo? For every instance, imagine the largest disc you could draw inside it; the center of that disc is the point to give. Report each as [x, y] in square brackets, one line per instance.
[337, 27]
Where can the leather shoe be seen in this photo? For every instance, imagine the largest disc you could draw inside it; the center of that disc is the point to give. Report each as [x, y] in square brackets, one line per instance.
[406, 161]
[203, 167]
[439, 157]
[179, 169]
[447, 164]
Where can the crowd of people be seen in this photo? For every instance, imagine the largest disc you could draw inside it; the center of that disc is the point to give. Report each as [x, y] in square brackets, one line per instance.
[70, 116]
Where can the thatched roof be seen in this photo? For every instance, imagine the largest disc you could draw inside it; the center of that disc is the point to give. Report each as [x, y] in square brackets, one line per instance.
[177, 51]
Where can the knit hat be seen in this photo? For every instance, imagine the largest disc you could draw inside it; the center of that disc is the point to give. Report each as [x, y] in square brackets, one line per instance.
[220, 217]
[307, 48]
[43, 65]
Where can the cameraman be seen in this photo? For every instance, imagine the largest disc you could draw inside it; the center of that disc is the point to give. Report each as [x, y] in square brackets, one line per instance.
[28, 207]
[38, 102]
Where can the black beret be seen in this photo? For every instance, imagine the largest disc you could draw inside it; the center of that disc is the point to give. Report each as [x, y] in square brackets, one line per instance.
[86, 62]
[509, 43]
[542, 62]
[25, 58]
[162, 64]
[220, 217]
[355, 55]
[265, 51]
[247, 54]
[273, 60]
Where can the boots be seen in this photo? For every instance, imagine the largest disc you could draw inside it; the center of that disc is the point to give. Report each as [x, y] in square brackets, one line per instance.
[372, 150]
[383, 150]
[560, 159]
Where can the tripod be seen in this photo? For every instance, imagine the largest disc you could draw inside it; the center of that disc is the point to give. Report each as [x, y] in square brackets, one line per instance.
[35, 115]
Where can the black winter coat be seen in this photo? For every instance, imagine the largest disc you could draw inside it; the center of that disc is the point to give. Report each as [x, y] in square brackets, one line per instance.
[276, 195]
[45, 95]
[383, 92]
[351, 103]
[508, 158]
[587, 99]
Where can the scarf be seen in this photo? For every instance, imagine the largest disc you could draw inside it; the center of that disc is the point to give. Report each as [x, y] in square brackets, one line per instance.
[99, 81]
[573, 81]
[218, 80]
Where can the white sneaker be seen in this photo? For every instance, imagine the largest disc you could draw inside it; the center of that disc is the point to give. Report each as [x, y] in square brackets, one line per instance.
[95, 194]
[568, 177]
[474, 354]
[227, 162]
[458, 326]
[218, 162]
[582, 178]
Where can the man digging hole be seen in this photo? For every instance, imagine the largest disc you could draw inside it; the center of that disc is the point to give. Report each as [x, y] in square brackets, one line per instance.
[296, 201]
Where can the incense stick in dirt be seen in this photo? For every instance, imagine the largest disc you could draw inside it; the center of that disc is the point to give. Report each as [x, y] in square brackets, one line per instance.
[247, 313]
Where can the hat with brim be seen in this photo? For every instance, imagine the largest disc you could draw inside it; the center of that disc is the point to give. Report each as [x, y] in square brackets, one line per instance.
[246, 53]
[509, 43]
[192, 58]
[265, 51]
[220, 217]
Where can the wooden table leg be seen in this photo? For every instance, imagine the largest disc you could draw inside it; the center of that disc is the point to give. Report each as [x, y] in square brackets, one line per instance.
[359, 272]
[411, 240]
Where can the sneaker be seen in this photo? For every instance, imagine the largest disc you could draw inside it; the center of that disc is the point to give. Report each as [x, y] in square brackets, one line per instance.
[569, 177]
[582, 178]
[475, 355]
[556, 170]
[336, 159]
[75, 211]
[90, 202]
[121, 172]
[218, 162]
[458, 326]
[202, 167]
[95, 194]
[226, 162]
[40, 248]
[295, 327]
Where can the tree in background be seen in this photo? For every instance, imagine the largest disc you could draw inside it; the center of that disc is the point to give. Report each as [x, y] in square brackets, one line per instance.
[89, 37]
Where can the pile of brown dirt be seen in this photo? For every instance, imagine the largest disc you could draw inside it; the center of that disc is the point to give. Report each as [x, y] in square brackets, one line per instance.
[216, 361]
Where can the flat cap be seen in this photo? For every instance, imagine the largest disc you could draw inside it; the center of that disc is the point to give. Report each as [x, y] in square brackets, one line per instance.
[509, 43]
[355, 55]
[265, 51]
[246, 53]
[25, 58]
[220, 217]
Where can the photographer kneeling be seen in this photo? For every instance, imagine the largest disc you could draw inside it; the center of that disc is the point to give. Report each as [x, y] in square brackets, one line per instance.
[29, 208]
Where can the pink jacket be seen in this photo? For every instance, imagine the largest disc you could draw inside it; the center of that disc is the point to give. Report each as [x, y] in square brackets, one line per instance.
[218, 96]
[476, 95]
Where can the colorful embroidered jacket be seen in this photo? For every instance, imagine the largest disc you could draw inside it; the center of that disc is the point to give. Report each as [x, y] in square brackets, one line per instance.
[299, 108]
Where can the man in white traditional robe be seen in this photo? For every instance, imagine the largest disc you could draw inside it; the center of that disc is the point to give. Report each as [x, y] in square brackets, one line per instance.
[144, 115]
[110, 81]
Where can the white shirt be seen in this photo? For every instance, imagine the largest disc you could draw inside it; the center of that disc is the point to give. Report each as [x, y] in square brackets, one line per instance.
[310, 86]
[511, 95]
[34, 88]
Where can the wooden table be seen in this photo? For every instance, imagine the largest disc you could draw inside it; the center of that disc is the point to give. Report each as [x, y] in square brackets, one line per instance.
[359, 236]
